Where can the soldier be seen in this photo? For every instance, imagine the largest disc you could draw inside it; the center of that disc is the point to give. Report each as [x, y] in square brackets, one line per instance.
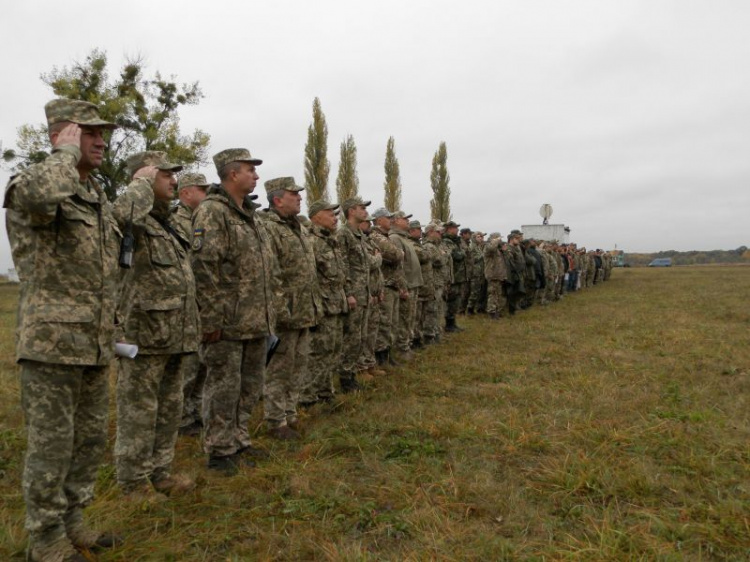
[413, 273]
[465, 242]
[516, 285]
[191, 190]
[394, 285]
[496, 273]
[357, 289]
[453, 243]
[434, 311]
[65, 245]
[426, 292]
[326, 338]
[232, 263]
[296, 307]
[478, 289]
[367, 362]
[159, 313]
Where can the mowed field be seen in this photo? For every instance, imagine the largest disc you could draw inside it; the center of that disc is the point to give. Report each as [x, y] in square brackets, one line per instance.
[613, 425]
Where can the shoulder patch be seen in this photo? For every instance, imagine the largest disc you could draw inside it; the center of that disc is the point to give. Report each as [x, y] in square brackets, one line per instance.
[197, 243]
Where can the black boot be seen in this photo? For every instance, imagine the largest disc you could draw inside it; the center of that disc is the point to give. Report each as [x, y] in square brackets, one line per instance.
[381, 357]
[417, 343]
[348, 383]
[391, 361]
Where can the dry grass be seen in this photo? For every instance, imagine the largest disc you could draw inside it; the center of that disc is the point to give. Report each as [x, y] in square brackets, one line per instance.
[613, 425]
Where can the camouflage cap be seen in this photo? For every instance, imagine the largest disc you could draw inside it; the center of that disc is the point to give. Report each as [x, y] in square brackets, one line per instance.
[382, 212]
[354, 202]
[401, 215]
[63, 110]
[432, 227]
[451, 224]
[150, 158]
[466, 230]
[320, 205]
[515, 232]
[287, 184]
[414, 224]
[495, 235]
[230, 155]
[189, 179]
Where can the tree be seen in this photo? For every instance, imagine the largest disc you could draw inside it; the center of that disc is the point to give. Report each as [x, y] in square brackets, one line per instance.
[440, 205]
[146, 111]
[317, 165]
[392, 178]
[347, 182]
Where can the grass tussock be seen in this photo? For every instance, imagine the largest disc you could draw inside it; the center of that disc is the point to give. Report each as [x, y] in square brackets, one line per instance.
[613, 425]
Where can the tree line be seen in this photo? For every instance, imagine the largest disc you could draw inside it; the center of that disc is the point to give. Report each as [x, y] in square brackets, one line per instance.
[147, 113]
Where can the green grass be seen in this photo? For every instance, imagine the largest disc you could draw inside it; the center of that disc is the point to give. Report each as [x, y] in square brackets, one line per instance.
[613, 425]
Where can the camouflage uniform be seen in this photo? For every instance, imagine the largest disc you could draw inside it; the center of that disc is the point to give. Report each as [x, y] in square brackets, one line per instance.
[326, 338]
[194, 372]
[232, 263]
[469, 265]
[367, 359]
[516, 286]
[496, 273]
[159, 313]
[453, 243]
[441, 272]
[394, 281]
[65, 244]
[478, 289]
[423, 330]
[296, 311]
[413, 274]
[357, 267]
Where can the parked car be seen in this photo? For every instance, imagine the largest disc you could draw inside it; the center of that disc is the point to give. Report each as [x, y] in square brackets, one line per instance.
[661, 262]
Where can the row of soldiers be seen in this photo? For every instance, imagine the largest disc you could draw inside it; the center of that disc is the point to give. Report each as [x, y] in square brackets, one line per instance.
[226, 303]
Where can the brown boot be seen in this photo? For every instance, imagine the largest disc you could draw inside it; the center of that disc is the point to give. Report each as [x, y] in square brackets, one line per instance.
[144, 494]
[174, 484]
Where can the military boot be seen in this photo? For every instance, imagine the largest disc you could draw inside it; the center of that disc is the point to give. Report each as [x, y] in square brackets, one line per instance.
[83, 536]
[61, 550]
[348, 383]
[391, 360]
[174, 484]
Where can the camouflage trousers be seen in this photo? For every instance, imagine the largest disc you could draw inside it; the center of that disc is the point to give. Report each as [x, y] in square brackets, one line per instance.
[454, 300]
[367, 359]
[65, 408]
[426, 307]
[285, 375]
[355, 327]
[234, 383]
[149, 407]
[497, 303]
[407, 316]
[477, 294]
[389, 310]
[325, 358]
[464, 296]
[193, 379]
[433, 315]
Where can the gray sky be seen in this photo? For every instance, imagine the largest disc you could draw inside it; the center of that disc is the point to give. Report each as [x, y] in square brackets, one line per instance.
[631, 118]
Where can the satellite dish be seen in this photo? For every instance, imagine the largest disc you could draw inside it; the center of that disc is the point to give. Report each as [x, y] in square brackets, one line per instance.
[545, 211]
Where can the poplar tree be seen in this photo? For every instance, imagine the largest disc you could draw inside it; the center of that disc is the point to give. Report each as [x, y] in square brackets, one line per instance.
[440, 205]
[347, 182]
[317, 166]
[392, 184]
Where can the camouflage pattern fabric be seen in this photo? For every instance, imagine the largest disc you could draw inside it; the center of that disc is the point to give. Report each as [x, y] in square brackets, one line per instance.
[234, 384]
[182, 221]
[149, 407]
[367, 358]
[326, 341]
[456, 289]
[285, 376]
[389, 319]
[193, 380]
[65, 408]
[394, 280]
[496, 300]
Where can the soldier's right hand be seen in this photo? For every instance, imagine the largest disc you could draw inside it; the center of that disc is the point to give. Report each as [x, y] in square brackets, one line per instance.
[148, 172]
[70, 135]
[352, 302]
[212, 337]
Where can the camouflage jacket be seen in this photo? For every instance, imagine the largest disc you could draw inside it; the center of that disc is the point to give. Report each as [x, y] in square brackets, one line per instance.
[157, 308]
[516, 265]
[377, 282]
[453, 243]
[65, 245]
[477, 261]
[233, 265]
[182, 221]
[356, 263]
[412, 269]
[495, 268]
[295, 290]
[329, 266]
[393, 260]
[441, 267]
[427, 256]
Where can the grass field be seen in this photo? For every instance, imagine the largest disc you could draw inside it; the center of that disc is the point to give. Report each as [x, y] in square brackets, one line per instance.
[613, 425]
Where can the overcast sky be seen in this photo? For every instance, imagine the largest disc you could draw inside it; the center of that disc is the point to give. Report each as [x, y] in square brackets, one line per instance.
[631, 118]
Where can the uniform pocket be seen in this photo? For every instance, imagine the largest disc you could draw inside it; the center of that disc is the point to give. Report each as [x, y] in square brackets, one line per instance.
[159, 322]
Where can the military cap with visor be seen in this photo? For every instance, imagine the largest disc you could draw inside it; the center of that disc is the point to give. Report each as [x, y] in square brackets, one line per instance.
[382, 212]
[155, 158]
[451, 224]
[401, 215]
[321, 205]
[354, 202]
[230, 155]
[83, 113]
[285, 184]
[190, 179]
[415, 224]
